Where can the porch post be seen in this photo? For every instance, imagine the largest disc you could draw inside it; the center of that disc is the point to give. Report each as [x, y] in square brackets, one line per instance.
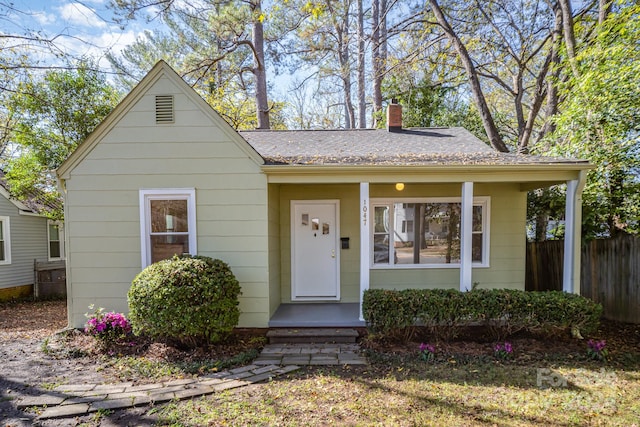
[573, 235]
[466, 232]
[364, 241]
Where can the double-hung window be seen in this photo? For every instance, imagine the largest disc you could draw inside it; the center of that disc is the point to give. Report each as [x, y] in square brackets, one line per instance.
[426, 232]
[55, 233]
[167, 223]
[5, 241]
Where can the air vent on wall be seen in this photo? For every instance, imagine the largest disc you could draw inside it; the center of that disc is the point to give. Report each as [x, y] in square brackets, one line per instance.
[164, 109]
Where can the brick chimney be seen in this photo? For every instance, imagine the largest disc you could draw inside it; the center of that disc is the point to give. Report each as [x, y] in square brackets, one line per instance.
[394, 116]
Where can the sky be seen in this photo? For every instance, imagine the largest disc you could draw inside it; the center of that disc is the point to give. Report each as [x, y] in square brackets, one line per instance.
[81, 28]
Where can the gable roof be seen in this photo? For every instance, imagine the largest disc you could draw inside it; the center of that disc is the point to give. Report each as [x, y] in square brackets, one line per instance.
[160, 69]
[36, 203]
[412, 146]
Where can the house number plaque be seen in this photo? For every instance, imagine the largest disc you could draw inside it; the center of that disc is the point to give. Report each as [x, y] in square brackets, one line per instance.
[364, 212]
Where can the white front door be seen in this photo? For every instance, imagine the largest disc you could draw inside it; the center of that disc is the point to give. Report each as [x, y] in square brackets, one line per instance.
[315, 255]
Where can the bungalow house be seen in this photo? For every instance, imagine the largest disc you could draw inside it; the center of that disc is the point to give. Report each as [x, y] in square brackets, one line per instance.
[26, 236]
[307, 220]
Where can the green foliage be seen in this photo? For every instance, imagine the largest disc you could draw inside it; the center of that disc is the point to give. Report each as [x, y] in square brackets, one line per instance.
[504, 312]
[188, 300]
[421, 100]
[52, 115]
[599, 120]
[238, 109]
[58, 111]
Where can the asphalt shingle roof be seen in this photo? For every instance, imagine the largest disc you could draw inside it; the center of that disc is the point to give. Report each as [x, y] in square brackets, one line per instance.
[413, 146]
[36, 201]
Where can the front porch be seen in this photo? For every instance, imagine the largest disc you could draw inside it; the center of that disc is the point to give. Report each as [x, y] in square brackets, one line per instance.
[317, 315]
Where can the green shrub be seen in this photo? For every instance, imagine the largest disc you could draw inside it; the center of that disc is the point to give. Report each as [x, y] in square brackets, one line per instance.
[188, 301]
[503, 312]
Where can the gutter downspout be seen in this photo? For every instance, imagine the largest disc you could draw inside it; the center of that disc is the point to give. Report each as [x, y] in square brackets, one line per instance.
[62, 188]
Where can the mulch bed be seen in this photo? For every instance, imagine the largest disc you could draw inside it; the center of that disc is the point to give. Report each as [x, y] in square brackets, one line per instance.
[30, 319]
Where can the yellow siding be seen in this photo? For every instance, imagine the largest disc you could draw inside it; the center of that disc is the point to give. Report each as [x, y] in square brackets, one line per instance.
[15, 292]
[274, 249]
[194, 152]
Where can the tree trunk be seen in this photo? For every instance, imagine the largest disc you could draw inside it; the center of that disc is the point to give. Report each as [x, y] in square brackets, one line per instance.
[542, 221]
[375, 61]
[552, 90]
[262, 105]
[604, 8]
[383, 37]
[362, 106]
[569, 35]
[487, 119]
[345, 69]
[538, 97]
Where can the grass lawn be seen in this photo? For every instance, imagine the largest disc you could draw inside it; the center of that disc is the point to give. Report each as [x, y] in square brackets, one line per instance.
[405, 391]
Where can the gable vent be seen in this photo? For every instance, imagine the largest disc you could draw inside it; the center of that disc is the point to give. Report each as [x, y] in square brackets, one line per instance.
[164, 109]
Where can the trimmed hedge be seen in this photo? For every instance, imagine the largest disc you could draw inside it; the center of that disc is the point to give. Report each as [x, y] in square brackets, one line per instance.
[504, 312]
[187, 300]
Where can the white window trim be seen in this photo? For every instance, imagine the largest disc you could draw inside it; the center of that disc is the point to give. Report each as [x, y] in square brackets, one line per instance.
[484, 201]
[6, 233]
[146, 195]
[61, 241]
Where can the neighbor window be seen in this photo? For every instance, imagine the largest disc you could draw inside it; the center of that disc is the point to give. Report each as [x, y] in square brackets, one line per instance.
[5, 241]
[56, 240]
[426, 232]
[168, 223]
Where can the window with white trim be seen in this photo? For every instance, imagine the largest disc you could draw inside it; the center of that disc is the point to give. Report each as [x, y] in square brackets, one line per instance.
[55, 236]
[426, 232]
[167, 223]
[5, 240]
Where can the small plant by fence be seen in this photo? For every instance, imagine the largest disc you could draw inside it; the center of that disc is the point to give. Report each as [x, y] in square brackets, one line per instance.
[610, 273]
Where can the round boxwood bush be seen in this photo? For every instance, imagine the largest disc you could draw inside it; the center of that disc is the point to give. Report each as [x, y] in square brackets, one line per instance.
[186, 300]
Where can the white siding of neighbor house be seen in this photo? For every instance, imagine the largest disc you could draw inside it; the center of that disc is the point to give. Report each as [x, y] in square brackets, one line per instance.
[102, 203]
[28, 242]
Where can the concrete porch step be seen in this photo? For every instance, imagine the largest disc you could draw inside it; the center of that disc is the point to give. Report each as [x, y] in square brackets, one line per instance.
[312, 335]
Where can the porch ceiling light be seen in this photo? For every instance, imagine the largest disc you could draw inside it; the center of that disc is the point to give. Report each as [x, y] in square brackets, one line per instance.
[399, 186]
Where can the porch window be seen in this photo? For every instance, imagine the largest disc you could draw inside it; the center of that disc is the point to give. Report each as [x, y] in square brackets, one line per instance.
[426, 232]
[55, 235]
[168, 223]
[5, 241]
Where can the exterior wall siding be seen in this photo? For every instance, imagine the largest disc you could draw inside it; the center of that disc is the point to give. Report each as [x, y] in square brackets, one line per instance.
[507, 241]
[28, 243]
[274, 249]
[102, 204]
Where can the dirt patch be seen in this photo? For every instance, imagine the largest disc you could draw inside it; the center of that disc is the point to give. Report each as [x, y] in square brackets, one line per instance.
[38, 355]
[621, 339]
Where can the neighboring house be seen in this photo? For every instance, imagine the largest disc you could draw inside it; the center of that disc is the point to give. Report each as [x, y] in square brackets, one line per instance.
[26, 236]
[306, 219]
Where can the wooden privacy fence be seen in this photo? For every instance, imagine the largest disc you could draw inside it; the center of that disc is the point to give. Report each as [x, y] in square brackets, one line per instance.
[609, 273]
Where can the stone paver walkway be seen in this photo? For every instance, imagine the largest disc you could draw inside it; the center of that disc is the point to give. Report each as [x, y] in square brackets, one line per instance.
[311, 354]
[276, 359]
[81, 399]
